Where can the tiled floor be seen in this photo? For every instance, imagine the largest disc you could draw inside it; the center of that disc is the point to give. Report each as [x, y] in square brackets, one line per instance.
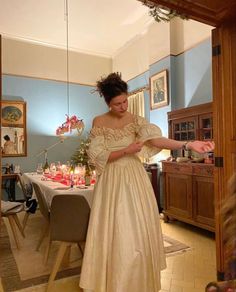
[192, 270]
[187, 272]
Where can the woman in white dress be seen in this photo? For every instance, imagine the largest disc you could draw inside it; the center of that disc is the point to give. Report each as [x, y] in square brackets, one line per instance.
[124, 248]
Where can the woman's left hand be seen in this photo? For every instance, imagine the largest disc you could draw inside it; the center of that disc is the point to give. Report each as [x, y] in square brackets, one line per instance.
[201, 146]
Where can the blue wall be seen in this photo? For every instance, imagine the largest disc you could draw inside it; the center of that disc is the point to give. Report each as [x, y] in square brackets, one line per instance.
[159, 116]
[189, 77]
[193, 76]
[46, 109]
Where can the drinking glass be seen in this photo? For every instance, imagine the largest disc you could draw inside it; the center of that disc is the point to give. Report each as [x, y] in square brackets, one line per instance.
[39, 169]
[53, 169]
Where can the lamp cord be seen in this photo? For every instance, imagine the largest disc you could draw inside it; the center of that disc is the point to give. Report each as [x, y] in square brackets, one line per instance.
[45, 151]
[67, 57]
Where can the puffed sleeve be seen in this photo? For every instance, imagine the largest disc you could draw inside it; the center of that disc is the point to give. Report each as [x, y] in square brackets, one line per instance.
[97, 152]
[146, 131]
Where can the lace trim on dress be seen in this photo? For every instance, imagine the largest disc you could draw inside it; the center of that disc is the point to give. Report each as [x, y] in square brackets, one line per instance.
[118, 134]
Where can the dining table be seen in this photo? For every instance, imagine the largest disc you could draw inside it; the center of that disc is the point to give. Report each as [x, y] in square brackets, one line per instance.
[51, 187]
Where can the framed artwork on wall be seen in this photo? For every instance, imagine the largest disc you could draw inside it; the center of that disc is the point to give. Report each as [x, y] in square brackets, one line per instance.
[159, 90]
[13, 129]
[13, 113]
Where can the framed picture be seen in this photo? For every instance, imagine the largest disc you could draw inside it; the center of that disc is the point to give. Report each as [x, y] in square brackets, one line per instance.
[13, 113]
[159, 90]
[13, 129]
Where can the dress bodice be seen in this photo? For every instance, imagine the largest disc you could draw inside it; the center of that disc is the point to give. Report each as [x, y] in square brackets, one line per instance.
[104, 140]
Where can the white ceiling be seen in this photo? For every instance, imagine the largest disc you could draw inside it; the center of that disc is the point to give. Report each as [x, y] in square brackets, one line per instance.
[100, 27]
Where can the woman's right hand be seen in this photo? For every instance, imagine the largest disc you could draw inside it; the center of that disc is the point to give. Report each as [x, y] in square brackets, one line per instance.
[134, 147]
[201, 146]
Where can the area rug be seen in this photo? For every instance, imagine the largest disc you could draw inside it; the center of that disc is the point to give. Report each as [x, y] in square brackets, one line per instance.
[173, 247]
[24, 268]
[69, 284]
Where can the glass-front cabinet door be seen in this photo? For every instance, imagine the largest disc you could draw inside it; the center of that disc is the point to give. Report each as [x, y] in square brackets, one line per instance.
[185, 129]
[205, 127]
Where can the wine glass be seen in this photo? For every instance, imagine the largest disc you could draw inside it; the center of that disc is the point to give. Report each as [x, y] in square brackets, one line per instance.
[39, 169]
[53, 169]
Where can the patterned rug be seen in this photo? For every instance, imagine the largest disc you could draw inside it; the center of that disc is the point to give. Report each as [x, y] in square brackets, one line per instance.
[174, 247]
[25, 268]
[19, 270]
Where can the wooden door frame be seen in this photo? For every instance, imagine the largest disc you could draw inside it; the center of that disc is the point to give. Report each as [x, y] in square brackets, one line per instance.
[222, 17]
[0, 124]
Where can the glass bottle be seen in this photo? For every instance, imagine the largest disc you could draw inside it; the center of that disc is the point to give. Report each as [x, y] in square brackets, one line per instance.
[72, 171]
[88, 175]
[8, 170]
[11, 168]
[46, 167]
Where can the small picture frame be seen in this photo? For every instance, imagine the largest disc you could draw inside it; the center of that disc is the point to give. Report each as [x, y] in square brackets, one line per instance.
[13, 128]
[159, 90]
[13, 113]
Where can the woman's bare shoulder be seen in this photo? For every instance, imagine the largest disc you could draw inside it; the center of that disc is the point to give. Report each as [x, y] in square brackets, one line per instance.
[99, 120]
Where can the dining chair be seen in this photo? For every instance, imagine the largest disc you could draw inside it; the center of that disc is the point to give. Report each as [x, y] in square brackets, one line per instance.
[30, 203]
[9, 210]
[68, 224]
[44, 210]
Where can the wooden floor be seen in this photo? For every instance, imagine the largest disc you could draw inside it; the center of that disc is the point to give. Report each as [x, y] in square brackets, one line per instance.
[186, 272]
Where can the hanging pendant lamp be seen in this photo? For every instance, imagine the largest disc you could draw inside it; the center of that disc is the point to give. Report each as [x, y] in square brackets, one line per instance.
[73, 122]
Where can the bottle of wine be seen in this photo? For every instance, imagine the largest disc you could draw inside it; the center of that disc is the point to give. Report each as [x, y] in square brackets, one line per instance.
[46, 166]
[8, 169]
[72, 171]
[88, 175]
[11, 168]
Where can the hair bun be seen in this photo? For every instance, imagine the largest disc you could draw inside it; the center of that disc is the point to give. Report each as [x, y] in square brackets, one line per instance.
[111, 86]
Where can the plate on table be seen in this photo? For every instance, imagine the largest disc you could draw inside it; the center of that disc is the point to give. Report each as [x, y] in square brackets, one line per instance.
[82, 187]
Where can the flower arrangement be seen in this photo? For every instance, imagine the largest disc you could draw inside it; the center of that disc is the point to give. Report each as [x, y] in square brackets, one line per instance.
[80, 155]
[70, 124]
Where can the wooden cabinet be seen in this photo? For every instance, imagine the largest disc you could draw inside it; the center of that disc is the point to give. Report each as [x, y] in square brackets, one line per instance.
[205, 127]
[189, 193]
[192, 123]
[184, 129]
[189, 187]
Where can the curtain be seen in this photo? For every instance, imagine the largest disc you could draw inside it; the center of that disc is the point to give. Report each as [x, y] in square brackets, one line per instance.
[136, 104]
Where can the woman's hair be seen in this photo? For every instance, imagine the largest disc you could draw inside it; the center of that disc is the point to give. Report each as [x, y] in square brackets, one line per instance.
[6, 137]
[111, 86]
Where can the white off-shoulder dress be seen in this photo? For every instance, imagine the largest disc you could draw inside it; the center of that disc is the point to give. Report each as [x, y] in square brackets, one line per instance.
[124, 248]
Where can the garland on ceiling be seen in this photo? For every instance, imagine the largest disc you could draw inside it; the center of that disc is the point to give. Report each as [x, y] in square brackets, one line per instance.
[161, 13]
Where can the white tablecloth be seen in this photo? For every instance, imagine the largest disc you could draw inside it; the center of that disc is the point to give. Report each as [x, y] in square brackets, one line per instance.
[51, 188]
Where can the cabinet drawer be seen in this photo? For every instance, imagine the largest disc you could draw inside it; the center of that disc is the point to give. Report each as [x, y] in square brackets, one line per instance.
[173, 167]
[203, 170]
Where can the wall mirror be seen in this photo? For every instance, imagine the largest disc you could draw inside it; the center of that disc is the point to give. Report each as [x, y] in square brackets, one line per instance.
[13, 136]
